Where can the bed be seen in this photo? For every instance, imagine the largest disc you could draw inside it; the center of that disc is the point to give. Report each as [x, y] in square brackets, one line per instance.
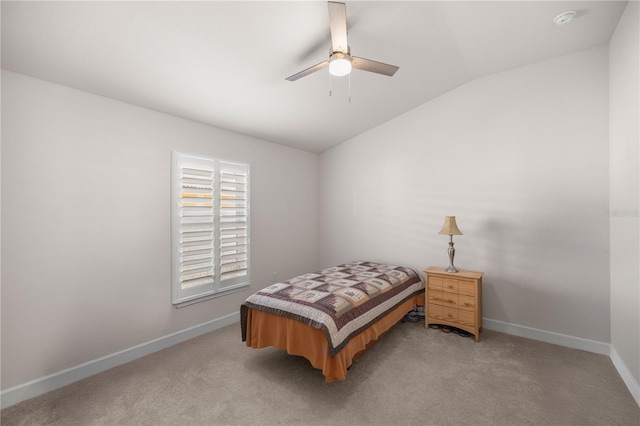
[332, 316]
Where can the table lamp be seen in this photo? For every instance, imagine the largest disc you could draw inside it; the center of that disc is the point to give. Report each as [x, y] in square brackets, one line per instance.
[450, 228]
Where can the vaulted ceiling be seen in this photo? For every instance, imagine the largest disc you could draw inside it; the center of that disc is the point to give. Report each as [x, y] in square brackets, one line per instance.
[225, 63]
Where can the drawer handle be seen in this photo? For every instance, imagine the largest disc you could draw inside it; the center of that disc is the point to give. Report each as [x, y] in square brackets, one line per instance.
[435, 298]
[450, 301]
[465, 304]
[450, 316]
[450, 286]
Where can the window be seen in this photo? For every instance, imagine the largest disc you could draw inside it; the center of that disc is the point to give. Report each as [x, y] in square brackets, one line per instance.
[210, 228]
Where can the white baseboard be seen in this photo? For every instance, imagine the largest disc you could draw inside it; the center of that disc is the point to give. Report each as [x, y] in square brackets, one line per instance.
[571, 342]
[57, 380]
[547, 336]
[626, 375]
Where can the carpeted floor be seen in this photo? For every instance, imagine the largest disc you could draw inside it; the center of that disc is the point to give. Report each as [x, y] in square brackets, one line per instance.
[411, 376]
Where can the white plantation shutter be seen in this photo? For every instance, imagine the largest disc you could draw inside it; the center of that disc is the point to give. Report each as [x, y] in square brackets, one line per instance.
[210, 228]
[233, 225]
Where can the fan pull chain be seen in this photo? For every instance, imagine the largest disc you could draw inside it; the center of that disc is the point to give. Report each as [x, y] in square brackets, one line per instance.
[349, 82]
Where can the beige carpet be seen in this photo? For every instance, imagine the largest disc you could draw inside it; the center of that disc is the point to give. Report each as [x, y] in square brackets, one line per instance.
[410, 377]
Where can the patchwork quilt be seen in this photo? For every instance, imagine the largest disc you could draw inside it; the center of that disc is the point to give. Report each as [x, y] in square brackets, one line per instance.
[342, 300]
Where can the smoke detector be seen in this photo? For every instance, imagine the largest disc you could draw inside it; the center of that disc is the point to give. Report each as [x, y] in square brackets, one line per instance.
[565, 17]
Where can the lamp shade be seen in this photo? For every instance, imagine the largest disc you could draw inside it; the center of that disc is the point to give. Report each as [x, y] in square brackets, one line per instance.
[450, 227]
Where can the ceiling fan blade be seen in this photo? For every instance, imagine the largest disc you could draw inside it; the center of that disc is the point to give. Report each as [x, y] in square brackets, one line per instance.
[373, 66]
[338, 26]
[308, 71]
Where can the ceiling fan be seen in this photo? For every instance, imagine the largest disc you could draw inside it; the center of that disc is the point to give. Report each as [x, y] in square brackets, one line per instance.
[340, 61]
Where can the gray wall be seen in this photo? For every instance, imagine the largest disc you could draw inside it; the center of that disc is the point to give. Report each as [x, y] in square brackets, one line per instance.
[86, 224]
[624, 135]
[521, 159]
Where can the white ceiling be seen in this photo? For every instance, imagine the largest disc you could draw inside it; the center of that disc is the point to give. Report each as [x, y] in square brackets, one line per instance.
[225, 63]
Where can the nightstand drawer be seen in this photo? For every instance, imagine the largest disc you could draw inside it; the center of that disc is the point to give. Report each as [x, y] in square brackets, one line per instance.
[435, 311]
[450, 299]
[450, 314]
[467, 318]
[466, 287]
[467, 302]
[435, 296]
[435, 283]
[450, 285]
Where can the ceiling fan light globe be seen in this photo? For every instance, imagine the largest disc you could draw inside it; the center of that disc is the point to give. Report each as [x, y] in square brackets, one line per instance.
[340, 67]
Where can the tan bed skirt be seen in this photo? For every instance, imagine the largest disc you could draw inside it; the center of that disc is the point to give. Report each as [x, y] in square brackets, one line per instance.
[265, 329]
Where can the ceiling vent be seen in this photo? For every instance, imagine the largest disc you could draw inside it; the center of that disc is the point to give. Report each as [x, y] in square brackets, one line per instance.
[565, 17]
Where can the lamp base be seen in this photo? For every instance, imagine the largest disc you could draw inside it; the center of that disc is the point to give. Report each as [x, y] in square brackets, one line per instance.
[452, 252]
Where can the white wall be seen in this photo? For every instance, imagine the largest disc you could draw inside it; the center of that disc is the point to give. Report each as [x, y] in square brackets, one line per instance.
[86, 224]
[521, 159]
[624, 134]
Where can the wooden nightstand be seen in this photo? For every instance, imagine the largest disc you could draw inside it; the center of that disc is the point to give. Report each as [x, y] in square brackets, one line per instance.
[454, 299]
